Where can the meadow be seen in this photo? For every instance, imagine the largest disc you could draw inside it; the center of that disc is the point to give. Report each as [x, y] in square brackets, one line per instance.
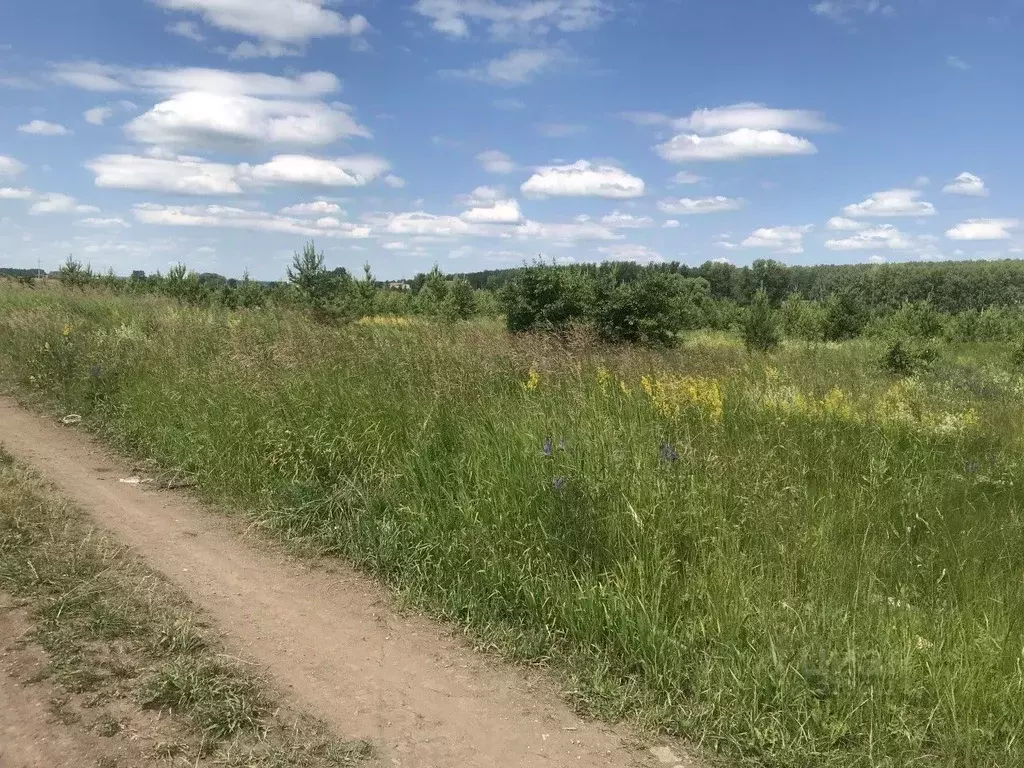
[789, 559]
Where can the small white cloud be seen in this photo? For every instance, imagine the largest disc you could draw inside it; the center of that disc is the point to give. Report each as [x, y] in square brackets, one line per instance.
[687, 206]
[499, 212]
[15, 193]
[494, 161]
[784, 239]
[671, 224]
[922, 181]
[560, 130]
[886, 236]
[395, 182]
[220, 216]
[967, 184]
[735, 145]
[892, 202]
[315, 208]
[876, 259]
[43, 128]
[98, 115]
[482, 194]
[354, 171]
[113, 221]
[752, 116]
[10, 168]
[685, 177]
[641, 254]
[56, 202]
[186, 29]
[427, 224]
[396, 245]
[844, 11]
[957, 63]
[583, 179]
[178, 175]
[618, 220]
[843, 224]
[983, 229]
[513, 20]
[515, 68]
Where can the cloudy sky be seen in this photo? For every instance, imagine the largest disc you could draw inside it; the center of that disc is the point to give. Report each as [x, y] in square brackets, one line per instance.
[479, 133]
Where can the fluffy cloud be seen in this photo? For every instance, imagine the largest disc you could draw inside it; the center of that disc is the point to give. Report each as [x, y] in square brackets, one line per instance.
[687, 206]
[967, 184]
[494, 161]
[194, 176]
[499, 212]
[512, 19]
[735, 145]
[983, 229]
[515, 68]
[9, 167]
[749, 115]
[672, 224]
[779, 239]
[97, 115]
[179, 175]
[427, 224]
[355, 171]
[842, 224]
[617, 220]
[316, 208]
[641, 254]
[59, 203]
[282, 21]
[483, 194]
[892, 202]
[210, 119]
[15, 193]
[395, 182]
[885, 236]
[569, 233]
[43, 128]
[219, 216]
[582, 179]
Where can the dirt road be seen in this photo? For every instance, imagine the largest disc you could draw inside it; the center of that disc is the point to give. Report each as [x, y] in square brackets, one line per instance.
[332, 642]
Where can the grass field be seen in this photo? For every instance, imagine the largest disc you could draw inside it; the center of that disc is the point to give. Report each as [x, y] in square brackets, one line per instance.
[792, 560]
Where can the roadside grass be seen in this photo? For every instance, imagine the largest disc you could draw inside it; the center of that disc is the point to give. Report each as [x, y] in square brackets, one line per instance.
[792, 560]
[120, 639]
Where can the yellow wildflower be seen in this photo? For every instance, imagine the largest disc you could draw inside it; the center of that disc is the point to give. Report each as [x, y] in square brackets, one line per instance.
[68, 329]
[604, 378]
[532, 381]
[675, 395]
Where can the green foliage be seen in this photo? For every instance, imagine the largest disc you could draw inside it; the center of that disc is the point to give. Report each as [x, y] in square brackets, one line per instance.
[649, 310]
[800, 318]
[542, 297]
[906, 356]
[761, 328]
[73, 275]
[316, 287]
[183, 284]
[845, 316]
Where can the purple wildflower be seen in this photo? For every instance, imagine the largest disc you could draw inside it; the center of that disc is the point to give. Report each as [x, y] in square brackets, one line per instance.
[549, 447]
[668, 453]
[558, 483]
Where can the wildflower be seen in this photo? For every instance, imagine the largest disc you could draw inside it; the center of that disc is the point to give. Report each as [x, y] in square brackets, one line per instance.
[558, 483]
[971, 467]
[532, 381]
[604, 378]
[67, 330]
[924, 644]
[675, 395]
[549, 448]
[668, 453]
[562, 445]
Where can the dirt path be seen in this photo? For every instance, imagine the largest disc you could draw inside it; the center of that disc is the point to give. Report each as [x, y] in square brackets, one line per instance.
[333, 641]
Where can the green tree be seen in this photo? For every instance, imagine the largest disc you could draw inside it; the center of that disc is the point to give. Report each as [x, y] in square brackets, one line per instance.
[761, 327]
[648, 310]
[545, 297]
[73, 274]
[315, 285]
[845, 316]
[459, 302]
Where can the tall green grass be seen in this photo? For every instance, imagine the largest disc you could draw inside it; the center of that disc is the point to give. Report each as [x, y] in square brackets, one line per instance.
[793, 587]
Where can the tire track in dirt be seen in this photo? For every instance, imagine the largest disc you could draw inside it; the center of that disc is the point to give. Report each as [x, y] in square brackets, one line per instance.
[331, 641]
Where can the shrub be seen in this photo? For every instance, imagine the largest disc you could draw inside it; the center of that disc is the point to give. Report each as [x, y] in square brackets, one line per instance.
[544, 297]
[648, 310]
[802, 319]
[905, 357]
[845, 316]
[761, 327]
[315, 285]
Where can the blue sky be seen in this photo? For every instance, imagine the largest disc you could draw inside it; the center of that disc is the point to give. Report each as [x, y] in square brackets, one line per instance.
[478, 133]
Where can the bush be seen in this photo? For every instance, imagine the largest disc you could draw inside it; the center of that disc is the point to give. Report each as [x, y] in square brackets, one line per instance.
[761, 327]
[649, 310]
[905, 357]
[845, 316]
[544, 297]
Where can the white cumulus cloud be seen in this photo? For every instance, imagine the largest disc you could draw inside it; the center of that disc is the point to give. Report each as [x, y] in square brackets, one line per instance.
[635, 252]
[43, 128]
[734, 145]
[687, 206]
[104, 223]
[885, 236]
[785, 239]
[515, 68]
[618, 220]
[220, 216]
[967, 184]
[499, 212]
[355, 171]
[16, 193]
[9, 167]
[97, 115]
[495, 161]
[892, 202]
[583, 179]
[843, 224]
[983, 229]
[177, 175]
[315, 208]
[56, 202]
[515, 19]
